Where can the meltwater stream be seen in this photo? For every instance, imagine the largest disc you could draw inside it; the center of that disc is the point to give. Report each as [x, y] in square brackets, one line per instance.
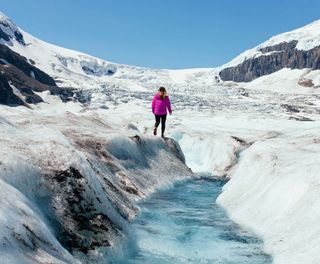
[184, 224]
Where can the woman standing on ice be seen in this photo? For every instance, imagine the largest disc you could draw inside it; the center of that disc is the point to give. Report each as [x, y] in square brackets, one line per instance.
[160, 104]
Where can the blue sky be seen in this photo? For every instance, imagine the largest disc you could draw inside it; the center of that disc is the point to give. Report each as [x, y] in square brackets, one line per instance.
[160, 34]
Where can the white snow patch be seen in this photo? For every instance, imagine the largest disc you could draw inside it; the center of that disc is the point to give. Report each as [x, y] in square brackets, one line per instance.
[285, 81]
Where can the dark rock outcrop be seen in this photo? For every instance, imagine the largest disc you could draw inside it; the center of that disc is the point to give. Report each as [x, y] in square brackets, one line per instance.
[23, 64]
[17, 72]
[7, 96]
[282, 55]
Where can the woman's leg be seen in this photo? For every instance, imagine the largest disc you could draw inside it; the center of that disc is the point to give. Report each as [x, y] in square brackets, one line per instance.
[163, 124]
[157, 117]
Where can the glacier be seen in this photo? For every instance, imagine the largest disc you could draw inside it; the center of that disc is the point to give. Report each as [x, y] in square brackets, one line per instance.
[61, 159]
[111, 147]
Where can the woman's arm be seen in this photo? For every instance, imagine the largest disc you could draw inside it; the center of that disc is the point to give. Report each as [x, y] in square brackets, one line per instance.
[169, 105]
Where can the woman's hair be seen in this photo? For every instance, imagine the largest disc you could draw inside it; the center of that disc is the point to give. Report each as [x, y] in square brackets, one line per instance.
[163, 90]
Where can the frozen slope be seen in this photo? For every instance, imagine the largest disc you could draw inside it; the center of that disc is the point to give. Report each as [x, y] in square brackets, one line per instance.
[274, 191]
[69, 182]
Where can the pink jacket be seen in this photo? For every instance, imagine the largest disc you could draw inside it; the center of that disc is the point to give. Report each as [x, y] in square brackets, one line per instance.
[160, 106]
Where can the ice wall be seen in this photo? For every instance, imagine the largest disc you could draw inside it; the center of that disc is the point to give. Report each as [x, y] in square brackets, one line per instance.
[211, 153]
[275, 192]
[69, 184]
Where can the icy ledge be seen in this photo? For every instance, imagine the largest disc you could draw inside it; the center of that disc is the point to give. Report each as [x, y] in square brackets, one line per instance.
[274, 191]
[67, 193]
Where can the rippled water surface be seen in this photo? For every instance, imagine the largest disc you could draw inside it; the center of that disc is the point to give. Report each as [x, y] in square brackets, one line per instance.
[185, 225]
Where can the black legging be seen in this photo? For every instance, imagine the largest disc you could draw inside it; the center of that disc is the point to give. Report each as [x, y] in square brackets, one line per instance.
[163, 122]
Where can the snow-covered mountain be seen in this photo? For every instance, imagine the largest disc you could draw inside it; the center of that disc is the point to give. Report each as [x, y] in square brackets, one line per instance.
[79, 70]
[306, 38]
[298, 49]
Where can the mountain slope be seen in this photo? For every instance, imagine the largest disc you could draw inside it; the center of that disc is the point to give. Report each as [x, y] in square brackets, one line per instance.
[79, 70]
[298, 49]
[20, 81]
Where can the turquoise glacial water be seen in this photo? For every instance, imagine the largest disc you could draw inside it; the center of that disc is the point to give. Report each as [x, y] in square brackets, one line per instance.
[184, 224]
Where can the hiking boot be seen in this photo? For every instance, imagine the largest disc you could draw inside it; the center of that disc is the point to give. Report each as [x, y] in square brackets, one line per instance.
[155, 131]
